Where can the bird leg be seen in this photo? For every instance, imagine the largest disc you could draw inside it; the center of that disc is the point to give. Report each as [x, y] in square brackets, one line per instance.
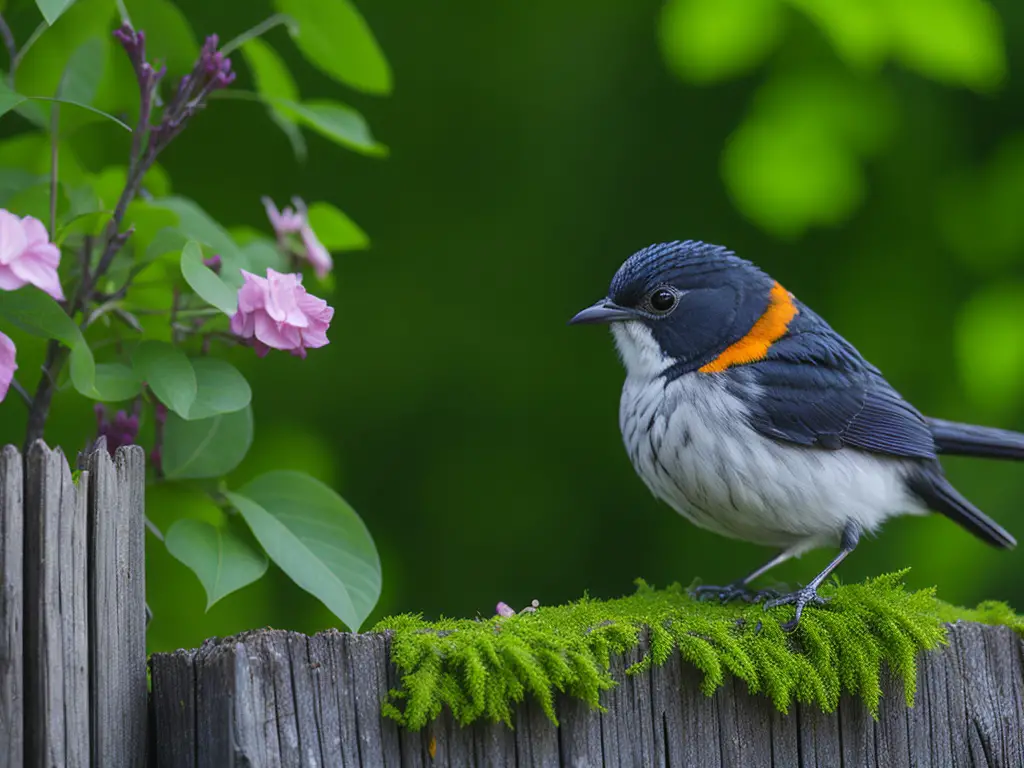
[739, 589]
[808, 595]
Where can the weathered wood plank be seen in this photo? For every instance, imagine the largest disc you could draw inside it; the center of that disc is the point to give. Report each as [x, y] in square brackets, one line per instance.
[56, 641]
[273, 698]
[117, 608]
[174, 709]
[12, 694]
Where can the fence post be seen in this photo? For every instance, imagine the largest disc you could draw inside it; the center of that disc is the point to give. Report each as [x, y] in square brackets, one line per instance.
[272, 697]
[12, 691]
[117, 607]
[72, 610]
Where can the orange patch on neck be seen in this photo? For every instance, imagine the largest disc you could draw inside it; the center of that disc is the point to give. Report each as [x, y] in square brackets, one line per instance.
[768, 329]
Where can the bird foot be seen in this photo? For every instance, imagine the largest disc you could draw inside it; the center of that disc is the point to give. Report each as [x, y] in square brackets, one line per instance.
[801, 599]
[730, 592]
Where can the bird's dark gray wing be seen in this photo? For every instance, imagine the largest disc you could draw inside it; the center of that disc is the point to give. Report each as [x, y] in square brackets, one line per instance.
[815, 389]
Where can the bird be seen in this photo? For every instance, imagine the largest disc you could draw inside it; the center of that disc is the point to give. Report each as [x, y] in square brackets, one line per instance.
[751, 417]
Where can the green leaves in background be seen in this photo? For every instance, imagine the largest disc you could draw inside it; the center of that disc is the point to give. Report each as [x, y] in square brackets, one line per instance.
[331, 119]
[990, 349]
[334, 37]
[337, 122]
[38, 314]
[316, 538]
[223, 560]
[335, 230]
[791, 164]
[116, 382]
[221, 388]
[167, 371]
[197, 224]
[10, 100]
[205, 448]
[706, 41]
[978, 210]
[195, 390]
[795, 161]
[274, 81]
[205, 282]
[53, 9]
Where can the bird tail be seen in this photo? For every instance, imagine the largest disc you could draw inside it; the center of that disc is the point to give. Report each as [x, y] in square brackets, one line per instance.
[938, 495]
[971, 440]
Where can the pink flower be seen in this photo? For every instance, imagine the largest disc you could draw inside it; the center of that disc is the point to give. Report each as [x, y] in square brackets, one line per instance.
[296, 220]
[7, 364]
[284, 222]
[316, 254]
[503, 609]
[27, 257]
[277, 313]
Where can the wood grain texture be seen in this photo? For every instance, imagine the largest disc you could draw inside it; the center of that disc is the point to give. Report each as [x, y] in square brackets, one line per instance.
[117, 607]
[275, 698]
[56, 672]
[12, 694]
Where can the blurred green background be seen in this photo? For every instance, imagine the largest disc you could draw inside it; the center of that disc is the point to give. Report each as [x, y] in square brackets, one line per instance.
[869, 155]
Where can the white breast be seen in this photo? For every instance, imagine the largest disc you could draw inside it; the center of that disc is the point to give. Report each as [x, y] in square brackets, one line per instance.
[690, 441]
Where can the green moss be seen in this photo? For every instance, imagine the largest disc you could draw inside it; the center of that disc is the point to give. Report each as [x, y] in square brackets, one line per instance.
[482, 668]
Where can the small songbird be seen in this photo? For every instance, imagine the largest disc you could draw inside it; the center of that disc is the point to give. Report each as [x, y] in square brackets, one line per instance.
[751, 417]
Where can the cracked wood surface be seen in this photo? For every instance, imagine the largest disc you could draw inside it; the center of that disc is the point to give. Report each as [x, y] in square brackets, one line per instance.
[276, 698]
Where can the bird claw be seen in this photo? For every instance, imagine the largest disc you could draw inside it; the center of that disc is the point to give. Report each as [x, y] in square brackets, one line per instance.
[731, 592]
[801, 599]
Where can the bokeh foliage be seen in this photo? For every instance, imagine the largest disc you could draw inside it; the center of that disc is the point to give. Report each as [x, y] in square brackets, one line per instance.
[871, 161]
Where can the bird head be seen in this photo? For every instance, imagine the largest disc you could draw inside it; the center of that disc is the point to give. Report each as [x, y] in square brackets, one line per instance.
[690, 305]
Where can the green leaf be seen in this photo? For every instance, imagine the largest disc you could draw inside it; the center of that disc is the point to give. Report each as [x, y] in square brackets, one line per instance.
[337, 122]
[168, 372]
[274, 81]
[116, 382]
[316, 538]
[335, 38]
[205, 448]
[38, 314]
[335, 230]
[954, 41]
[197, 224]
[795, 160]
[990, 348]
[205, 282]
[9, 100]
[262, 255]
[16, 180]
[52, 9]
[221, 388]
[83, 371]
[83, 72]
[706, 41]
[91, 223]
[223, 560]
[169, 37]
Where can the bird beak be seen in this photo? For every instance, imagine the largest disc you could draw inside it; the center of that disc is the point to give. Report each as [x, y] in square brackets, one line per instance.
[604, 311]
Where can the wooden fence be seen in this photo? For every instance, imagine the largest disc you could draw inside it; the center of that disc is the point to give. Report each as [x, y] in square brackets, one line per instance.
[73, 686]
[72, 610]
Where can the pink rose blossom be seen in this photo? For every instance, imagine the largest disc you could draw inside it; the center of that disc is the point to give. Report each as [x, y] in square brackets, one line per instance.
[7, 364]
[296, 221]
[277, 313]
[27, 257]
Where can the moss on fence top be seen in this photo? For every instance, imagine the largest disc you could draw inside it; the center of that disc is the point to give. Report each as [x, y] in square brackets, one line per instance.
[482, 668]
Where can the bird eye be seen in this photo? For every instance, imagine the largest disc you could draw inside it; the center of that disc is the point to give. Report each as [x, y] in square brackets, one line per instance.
[663, 300]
